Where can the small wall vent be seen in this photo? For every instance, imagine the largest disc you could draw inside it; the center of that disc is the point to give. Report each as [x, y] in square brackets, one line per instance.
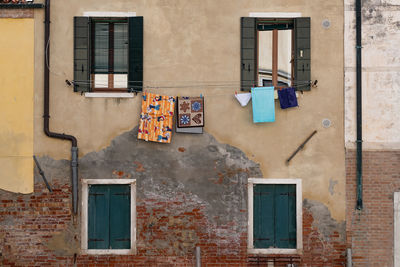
[326, 123]
[326, 23]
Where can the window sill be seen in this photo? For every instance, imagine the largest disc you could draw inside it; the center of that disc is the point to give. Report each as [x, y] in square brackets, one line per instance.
[108, 251]
[110, 95]
[266, 251]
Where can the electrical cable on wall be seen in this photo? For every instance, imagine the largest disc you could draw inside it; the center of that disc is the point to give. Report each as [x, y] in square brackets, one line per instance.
[47, 60]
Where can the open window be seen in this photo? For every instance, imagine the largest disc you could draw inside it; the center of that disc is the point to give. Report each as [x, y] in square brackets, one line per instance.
[275, 52]
[108, 54]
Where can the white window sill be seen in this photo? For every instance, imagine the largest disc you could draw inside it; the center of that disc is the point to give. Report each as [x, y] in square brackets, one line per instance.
[110, 95]
[273, 251]
[108, 251]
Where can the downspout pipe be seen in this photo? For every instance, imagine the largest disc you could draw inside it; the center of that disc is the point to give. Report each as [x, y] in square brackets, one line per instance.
[359, 106]
[46, 113]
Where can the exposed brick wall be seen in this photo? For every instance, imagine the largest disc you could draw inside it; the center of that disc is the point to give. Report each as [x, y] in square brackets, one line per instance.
[317, 250]
[16, 13]
[370, 231]
[166, 235]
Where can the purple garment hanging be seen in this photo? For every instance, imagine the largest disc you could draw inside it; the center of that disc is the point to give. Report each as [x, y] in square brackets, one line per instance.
[287, 98]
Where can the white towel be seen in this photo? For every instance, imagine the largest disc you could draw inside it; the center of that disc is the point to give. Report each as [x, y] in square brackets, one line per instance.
[243, 98]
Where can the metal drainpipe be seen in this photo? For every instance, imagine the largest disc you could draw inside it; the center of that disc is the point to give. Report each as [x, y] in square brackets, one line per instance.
[198, 257]
[359, 106]
[349, 258]
[46, 113]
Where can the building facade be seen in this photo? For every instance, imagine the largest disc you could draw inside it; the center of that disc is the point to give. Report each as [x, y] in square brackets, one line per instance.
[230, 191]
[372, 232]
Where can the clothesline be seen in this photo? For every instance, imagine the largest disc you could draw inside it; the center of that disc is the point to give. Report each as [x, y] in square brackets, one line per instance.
[190, 85]
[156, 119]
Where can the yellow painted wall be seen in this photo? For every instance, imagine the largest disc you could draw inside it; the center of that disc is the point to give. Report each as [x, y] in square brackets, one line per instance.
[16, 104]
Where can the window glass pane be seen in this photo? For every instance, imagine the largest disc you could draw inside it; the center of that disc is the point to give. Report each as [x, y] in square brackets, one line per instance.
[265, 57]
[101, 81]
[284, 56]
[120, 48]
[120, 80]
[101, 33]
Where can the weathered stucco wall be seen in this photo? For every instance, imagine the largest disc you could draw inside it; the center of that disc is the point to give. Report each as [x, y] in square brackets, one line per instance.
[186, 41]
[16, 103]
[381, 78]
[203, 204]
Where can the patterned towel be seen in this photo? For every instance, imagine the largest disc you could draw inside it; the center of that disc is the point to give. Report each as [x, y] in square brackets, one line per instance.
[190, 112]
[156, 118]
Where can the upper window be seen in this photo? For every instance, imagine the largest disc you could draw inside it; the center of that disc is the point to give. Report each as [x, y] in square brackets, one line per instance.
[275, 52]
[108, 54]
[108, 216]
[275, 216]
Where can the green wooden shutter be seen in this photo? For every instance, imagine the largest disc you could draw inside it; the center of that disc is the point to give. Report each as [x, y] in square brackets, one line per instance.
[292, 216]
[285, 210]
[120, 217]
[263, 216]
[98, 212]
[135, 67]
[302, 54]
[248, 53]
[81, 54]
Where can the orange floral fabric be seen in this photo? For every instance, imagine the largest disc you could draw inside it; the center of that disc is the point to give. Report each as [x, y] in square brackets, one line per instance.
[156, 118]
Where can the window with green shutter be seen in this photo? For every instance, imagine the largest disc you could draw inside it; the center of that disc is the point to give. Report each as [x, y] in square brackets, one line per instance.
[108, 54]
[274, 216]
[275, 52]
[109, 216]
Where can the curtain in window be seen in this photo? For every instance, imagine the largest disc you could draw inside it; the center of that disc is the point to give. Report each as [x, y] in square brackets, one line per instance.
[120, 48]
[101, 35]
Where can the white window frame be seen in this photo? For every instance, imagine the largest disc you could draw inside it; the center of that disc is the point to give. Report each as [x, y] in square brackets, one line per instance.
[84, 222]
[396, 226]
[299, 217]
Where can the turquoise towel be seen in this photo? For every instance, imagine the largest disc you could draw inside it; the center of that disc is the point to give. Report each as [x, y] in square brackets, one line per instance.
[263, 104]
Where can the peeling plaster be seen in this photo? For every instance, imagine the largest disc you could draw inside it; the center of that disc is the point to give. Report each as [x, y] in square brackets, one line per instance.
[214, 173]
[65, 243]
[381, 64]
[194, 170]
[323, 221]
